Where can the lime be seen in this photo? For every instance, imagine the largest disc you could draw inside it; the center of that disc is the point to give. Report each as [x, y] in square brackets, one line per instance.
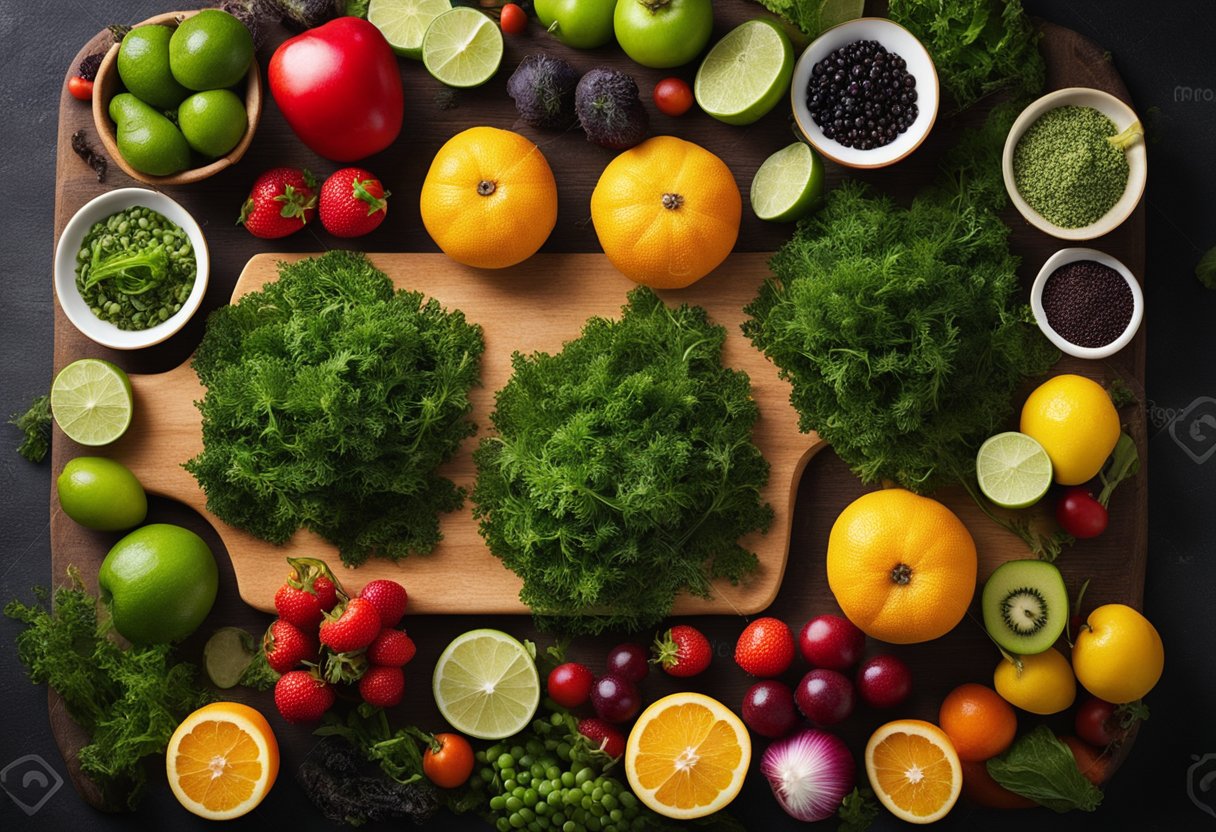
[404, 22]
[210, 50]
[226, 656]
[789, 185]
[146, 139]
[91, 401]
[143, 66]
[834, 12]
[462, 48]
[746, 73]
[486, 685]
[212, 121]
[1013, 470]
[159, 582]
[102, 494]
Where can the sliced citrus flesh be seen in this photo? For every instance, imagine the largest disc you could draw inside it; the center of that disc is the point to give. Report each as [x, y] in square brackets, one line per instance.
[687, 756]
[486, 685]
[914, 770]
[91, 401]
[222, 760]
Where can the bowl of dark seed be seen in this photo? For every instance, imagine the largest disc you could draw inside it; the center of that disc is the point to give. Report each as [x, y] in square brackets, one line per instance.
[1074, 163]
[131, 268]
[865, 93]
[1087, 303]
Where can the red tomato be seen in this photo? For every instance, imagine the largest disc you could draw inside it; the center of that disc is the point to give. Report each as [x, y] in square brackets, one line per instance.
[569, 684]
[513, 19]
[1079, 514]
[339, 88]
[672, 96]
[451, 765]
[1093, 764]
[80, 88]
[1096, 723]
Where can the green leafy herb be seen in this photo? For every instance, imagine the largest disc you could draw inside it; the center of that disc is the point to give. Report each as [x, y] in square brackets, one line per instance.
[346, 791]
[128, 700]
[355, 8]
[1205, 270]
[331, 401]
[1042, 768]
[857, 811]
[35, 423]
[814, 16]
[1124, 463]
[978, 46]
[623, 470]
[396, 752]
[131, 272]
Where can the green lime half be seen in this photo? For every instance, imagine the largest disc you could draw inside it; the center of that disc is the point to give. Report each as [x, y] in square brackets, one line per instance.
[789, 185]
[91, 401]
[404, 22]
[1013, 470]
[834, 12]
[486, 685]
[746, 73]
[226, 655]
[462, 48]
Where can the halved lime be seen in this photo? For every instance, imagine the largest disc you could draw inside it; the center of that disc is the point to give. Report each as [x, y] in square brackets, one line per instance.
[746, 73]
[404, 22]
[1013, 470]
[462, 48]
[834, 12]
[226, 655]
[91, 401]
[789, 185]
[486, 685]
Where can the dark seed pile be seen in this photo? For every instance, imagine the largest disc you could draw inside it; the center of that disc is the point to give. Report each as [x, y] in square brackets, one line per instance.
[1087, 303]
[862, 96]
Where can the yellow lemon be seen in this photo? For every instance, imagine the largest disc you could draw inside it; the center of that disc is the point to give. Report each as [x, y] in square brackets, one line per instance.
[1118, 655]
[1075, 421]
[1044, 683]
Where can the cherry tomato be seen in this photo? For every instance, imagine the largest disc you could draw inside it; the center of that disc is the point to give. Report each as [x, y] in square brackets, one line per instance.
[451, 765]
[1079, 514]
[80, 88]
[673, 96]
[569, 684]
[513, 19]
[1096, 723]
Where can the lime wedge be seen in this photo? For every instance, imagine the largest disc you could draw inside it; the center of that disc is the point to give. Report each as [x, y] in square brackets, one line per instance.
[746, 73]
[91, 401]
[789, 185]
[404, 22]
[1013, 470]
[834, 12]
[226, 655]
[462, 48]
[486, 685]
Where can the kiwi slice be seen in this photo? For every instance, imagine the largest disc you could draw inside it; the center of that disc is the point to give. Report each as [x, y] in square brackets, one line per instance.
[1025, 606]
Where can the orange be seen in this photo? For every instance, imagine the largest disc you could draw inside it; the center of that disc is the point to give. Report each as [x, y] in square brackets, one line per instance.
[667, 212]
[222, 760]
[687, 756]
[489, 199]
[978, 721]
[982, 790]
[914, 770]
[902, 566]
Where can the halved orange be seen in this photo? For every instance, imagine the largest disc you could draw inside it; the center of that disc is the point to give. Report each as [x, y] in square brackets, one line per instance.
[222, 760]
[914, 770]
[687, 756]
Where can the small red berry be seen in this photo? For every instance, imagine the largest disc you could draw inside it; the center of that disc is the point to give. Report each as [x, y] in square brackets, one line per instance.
[382, 686]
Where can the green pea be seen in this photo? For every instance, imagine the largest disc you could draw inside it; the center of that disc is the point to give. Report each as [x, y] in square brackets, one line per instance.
[514, 804]
[517, 822]
[505, 761]
[567, 779]
[497, 803]
[527, 814]
[583, 776]
[509, 784]
[143, 222]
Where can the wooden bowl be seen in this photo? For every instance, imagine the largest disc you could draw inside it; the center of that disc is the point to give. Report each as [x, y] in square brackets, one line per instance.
[108, 84]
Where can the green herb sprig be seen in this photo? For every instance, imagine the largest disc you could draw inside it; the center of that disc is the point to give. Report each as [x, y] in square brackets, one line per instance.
[35, 425]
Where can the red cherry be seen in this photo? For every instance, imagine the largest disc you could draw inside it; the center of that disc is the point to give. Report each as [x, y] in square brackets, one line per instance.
[825, 697]
[768, 708]
[884, 681]
[832, 642]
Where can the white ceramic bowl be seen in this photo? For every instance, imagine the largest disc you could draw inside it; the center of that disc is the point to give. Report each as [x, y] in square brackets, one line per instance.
[1123, 116]
[1071, 255]
[894, 38]
[74, 306]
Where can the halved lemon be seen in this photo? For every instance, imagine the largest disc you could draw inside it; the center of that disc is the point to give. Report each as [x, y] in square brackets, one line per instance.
[914, 770]
[687, 756]
[222, 760]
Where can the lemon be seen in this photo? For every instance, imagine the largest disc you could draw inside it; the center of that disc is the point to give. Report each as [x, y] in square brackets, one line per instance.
[91, 401]
[212, 121]
[210, 50]
[1043, 684]
[1075, 421]
[1118, 655]
[101, 494]
[486, 685]
[143, 66]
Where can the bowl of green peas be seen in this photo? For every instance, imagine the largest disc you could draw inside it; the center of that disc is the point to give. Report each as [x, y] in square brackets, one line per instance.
[131, 268]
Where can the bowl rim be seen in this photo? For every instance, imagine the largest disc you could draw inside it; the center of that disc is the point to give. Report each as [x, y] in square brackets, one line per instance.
[1137, 158]
[103, 332]
[1072, 255]
[802, 69]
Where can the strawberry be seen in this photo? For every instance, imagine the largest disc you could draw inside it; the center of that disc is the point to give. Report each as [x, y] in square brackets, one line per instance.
[311, 591]
[682, 651]
[602, 735]
[392, 648]
[285, 645]
[353, 203]
[765, 648]
[382, 687]
[281, 202]
[389, 597]
[350, 626]
[302, 697]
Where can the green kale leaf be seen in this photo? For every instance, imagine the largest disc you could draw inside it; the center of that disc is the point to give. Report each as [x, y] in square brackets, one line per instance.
[1039, 766]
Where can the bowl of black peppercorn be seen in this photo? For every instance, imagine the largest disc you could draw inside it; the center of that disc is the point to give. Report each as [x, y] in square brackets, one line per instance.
[865, 93]
[1087, 303]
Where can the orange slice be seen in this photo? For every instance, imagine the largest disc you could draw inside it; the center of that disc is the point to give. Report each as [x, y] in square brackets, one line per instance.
[222, 760]
[914, 770]
[687, 756]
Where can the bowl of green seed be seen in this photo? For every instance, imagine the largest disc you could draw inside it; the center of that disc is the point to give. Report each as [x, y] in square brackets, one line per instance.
[131, 268]
[1074, 163]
